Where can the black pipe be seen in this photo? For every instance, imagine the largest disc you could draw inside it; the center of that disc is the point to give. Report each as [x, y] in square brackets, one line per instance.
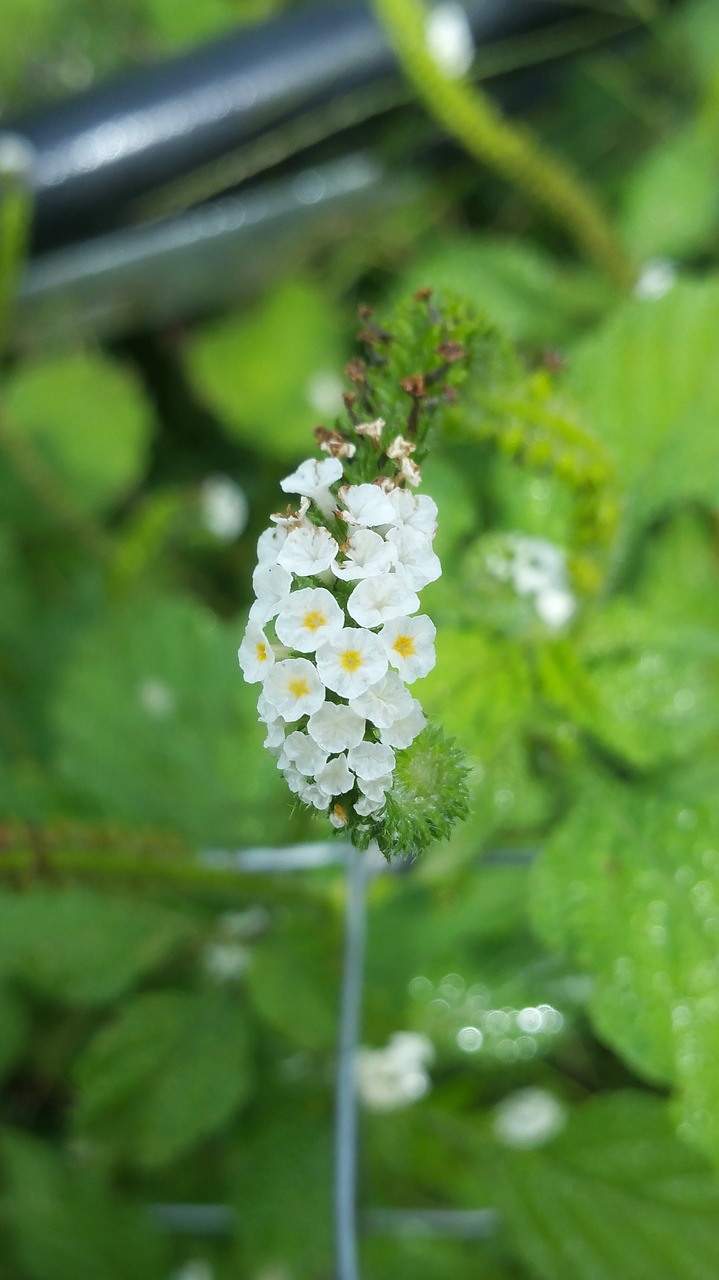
[97, 153]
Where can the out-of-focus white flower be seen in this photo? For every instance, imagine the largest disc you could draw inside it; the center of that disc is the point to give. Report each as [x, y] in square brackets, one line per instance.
[385, 702]
[365, 505]
[308, 618]
[225, 961]
[367, 556]
[336, 727]
[377, 600]
[351, 661]
[371, 759]
[449, 38]
[308, 551]
[396, 1075]
[156, 698]
[409, 645]
[528, 1118]
[415, 511]
[656, 279]
[324, 392]
[334, 778]
[417, 563]
[224, 507]
[272, 587]
[255, 654]
[303, 752]
[555, 606]
[312, 479]
[294, 688]
[537, 569]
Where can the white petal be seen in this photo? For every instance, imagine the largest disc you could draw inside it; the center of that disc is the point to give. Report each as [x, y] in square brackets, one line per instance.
[255, 654]
[308, 618]
[294, 688]
[351, 661]
[371, 759]
[377, 600]
[366, 505]
[308, 551]
[409, 645]
[334, 778]
[336, 727]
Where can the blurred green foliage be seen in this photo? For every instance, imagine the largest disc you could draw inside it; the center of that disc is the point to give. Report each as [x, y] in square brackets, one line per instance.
[168, 1028]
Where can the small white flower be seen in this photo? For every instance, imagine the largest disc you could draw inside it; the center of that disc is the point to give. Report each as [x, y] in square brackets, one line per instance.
[303, 752]
[294, 688]
[400, 448]
[410, 472]
[371, 760]
[275, 735]
[415, 511]
[377, 600]
[367, 556]
[224, 507]
[385, 702]
[403, 732]
[375, 789]
[272, 587]
[312, 479]
[308, 618]
[555, 606]
[368, 808]
[417, 563]
[373, 430]
[396, 1075]
[409, 645]
[290, 519]
[269, 545]
[334, 778]
[351, 661]
[336, 727]
[365, 505]
[308, 551]
[255, 654]
[293, 778]
[311, 794]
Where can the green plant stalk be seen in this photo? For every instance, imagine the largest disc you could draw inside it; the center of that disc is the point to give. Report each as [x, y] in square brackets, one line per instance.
[15, 213]
[469, 116]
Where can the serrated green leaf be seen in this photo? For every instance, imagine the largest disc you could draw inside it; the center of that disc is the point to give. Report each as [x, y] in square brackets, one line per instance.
[65, 1224]
[88, 416]
[83, 946]
[293, 981]
[615, 1194]
[648, 384]
[167, 1072]
[261, 372]
[629, 886]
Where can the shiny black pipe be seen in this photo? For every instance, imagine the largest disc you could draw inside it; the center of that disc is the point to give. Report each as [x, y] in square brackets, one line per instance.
[97, 153]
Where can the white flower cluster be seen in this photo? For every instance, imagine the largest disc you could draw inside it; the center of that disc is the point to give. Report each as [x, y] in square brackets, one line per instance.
[396, 1075]
[537, 569]
[335, 638]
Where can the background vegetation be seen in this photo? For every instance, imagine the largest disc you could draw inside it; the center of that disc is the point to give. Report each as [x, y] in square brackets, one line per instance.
[167, 1030]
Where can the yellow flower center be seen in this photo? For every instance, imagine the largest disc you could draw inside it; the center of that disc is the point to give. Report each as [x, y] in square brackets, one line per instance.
[314, 620]
[404, 646]
[261, 652]
[298, 688]
[351, 659]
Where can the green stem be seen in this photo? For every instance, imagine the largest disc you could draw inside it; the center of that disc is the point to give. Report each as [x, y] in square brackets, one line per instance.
[472, 118]
[15, 210]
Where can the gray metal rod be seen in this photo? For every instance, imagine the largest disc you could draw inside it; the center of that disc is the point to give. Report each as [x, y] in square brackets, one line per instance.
[345, 1188]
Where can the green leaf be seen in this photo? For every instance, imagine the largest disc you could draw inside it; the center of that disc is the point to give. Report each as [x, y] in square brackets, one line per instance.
[65, 1224]
[13, 1029]
[614, 1194]
[155, 725]
[629, 886]
[266, 373]
[171, 1069]
[671, 205]
[83, 946]
[294, 978]
[88, 416]
[648, 383]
